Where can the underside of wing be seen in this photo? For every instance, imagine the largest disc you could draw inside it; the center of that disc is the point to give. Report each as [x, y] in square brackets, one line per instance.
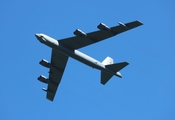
[58, 64]
[82, 39]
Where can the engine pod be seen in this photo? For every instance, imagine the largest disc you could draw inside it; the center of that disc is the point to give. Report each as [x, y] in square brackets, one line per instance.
[43, 79]
[79, 33]
[46, 90]
[45, 63]
[104, 27]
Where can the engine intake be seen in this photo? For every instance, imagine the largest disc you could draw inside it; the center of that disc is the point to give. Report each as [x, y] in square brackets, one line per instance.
[43, 79]
[104, 27]
[79, 33]
[45, 63]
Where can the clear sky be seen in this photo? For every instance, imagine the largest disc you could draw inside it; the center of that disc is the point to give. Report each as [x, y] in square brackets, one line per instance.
[147, 89]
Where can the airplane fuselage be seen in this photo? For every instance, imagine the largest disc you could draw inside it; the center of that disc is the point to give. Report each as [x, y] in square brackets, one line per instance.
[67, 47]
[73, 53]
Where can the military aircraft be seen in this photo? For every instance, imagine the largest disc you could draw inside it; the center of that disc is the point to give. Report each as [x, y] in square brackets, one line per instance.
[64, 48]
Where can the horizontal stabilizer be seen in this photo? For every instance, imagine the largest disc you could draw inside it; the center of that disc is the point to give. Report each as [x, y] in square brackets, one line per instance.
[117, 66]
[105, 77]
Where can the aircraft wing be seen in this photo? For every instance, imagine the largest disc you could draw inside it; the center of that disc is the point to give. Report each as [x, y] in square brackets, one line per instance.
[58, 62]
[96, 36]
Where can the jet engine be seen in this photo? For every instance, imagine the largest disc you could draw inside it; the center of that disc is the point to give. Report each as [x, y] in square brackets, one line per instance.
[121, 24]
[45, 63]
[46, 90]
[104, 27]
[79, 33]
[43, 79]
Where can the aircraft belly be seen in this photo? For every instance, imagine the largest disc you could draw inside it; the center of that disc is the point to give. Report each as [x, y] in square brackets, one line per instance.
[81, 57]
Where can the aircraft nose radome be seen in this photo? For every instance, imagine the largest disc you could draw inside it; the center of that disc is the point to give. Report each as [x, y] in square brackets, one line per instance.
[37, 35]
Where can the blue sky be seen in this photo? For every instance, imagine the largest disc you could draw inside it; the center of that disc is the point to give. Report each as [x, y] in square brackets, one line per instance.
[147, 89]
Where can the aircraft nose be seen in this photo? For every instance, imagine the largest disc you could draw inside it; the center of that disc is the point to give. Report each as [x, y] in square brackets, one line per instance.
[37, 35]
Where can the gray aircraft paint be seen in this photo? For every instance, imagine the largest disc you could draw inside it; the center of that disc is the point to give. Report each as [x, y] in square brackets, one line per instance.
[67, 47]
[51, 42]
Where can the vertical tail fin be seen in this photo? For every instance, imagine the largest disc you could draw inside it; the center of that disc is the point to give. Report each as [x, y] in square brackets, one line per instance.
[108, 61]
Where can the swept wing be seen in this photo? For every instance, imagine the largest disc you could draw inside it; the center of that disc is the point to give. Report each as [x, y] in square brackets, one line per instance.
[105, 32]
[58, 62]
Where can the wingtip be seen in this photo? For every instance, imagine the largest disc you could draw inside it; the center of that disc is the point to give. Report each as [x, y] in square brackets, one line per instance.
[140, 22]
[103, 83]
[127, 63]
[50, 99]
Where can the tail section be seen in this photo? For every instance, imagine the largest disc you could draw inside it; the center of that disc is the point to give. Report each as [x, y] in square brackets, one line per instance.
[105, 77]
[117, 67]
[108, 62]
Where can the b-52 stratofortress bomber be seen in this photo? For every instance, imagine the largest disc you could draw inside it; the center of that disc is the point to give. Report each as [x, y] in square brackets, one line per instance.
[64, 48]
